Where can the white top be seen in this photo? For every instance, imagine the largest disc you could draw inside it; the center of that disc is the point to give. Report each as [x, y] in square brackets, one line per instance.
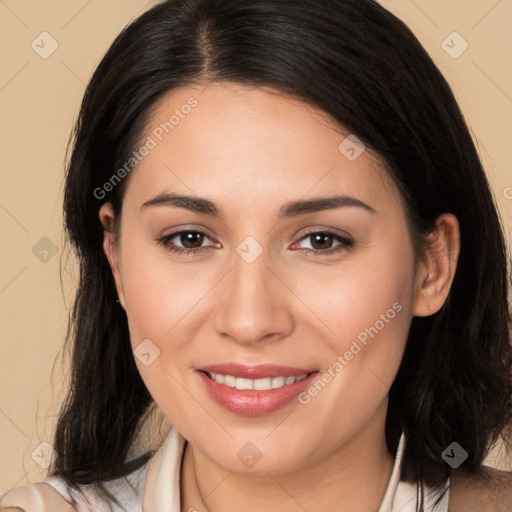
[151, 491]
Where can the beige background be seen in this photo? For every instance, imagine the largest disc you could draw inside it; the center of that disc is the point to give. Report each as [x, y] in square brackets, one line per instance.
[39, 99]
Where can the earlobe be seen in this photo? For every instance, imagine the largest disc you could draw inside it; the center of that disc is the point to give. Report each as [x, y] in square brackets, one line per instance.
[110, 247]
[435, 275]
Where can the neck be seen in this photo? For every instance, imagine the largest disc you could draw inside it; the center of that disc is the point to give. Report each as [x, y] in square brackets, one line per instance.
[330, 483]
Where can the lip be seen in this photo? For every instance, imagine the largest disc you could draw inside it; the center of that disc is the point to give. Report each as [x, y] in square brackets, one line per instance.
[253, 402]
[260, 371]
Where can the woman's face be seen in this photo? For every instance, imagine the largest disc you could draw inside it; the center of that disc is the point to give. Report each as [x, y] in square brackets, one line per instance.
[258, 289]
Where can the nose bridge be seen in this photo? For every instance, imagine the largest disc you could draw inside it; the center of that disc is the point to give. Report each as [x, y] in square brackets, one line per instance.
[250, 304]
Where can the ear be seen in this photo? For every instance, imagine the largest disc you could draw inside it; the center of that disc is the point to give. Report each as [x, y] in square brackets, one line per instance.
[110, 246]
[435, 275]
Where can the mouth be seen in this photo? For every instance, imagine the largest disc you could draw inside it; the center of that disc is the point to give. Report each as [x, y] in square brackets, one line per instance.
[254, 390]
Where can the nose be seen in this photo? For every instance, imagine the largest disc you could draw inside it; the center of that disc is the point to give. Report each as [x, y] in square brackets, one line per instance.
[253, 305]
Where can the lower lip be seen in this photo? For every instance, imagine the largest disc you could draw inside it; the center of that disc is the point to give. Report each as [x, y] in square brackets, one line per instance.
[251, 402]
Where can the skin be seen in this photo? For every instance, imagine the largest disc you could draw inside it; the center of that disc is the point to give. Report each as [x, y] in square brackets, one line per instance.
[250, 151]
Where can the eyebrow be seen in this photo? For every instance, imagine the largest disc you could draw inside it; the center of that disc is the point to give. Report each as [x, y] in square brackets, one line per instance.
[291, 209]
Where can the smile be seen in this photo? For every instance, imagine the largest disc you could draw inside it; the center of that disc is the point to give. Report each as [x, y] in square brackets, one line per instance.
[255, 384]
[254, 390]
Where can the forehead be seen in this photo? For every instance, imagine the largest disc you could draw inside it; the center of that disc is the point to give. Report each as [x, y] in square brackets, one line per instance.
[236, 142]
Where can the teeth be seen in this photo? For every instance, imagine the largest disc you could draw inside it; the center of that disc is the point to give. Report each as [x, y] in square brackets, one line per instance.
[278, 382]
[244, 383]
[230, 381]
[256, 384]
[262, 384]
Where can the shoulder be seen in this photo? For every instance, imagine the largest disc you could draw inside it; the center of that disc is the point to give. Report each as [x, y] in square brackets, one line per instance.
[36, 497]
[487, 490]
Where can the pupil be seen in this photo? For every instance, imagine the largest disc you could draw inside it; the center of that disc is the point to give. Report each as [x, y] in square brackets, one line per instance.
[188, 238]
[317, 240]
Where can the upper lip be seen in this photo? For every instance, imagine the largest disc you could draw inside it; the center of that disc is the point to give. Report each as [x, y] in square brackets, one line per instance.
[259, 371]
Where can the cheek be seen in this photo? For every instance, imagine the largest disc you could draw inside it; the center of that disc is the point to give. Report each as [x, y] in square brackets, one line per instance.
[164, 302]
[366, 311]
[160, 303]
[364, 298]
[160, 294]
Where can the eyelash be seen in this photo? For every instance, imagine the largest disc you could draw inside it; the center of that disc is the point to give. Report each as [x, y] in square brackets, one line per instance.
[345, 243]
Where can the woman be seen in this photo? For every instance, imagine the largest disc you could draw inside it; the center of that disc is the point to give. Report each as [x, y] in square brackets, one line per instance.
[288, 244]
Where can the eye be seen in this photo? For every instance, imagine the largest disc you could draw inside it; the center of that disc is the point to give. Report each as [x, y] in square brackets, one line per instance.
[322, 243]
[191, 241]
